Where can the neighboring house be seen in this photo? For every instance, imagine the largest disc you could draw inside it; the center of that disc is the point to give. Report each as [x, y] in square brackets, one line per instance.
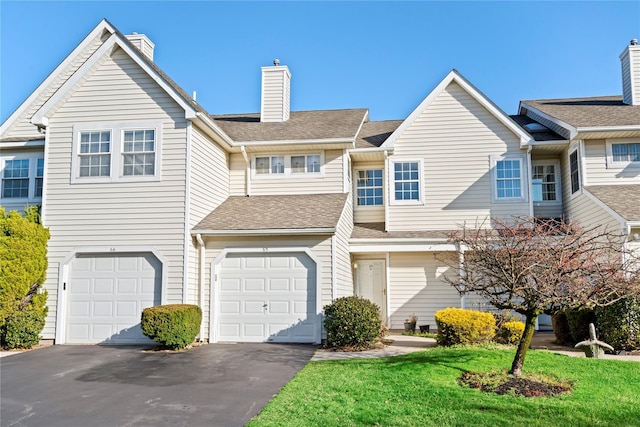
[264, 218]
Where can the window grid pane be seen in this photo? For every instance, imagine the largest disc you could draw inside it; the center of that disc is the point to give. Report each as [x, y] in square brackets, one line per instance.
[142, 144]
[277, 164]
[15, 180]
[92, 160]
[626, 152]
[544, 183]
[39, 177]
[573, 170]
[369, 187]
[313, 163]
[297, 164]
[508, 180]
[406, 177]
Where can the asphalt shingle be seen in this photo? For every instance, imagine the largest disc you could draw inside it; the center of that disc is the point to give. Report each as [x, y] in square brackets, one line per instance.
[623, 199]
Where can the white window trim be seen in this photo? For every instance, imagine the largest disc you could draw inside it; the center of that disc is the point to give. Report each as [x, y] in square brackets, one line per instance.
[556, 165]
[33, 167]
[609, 150]
[287, 166]
[355, 189]
[524, 178]
[575, 148]
[116, 152]
[391, 180]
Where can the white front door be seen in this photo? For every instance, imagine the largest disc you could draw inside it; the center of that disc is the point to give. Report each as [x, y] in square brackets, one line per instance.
[371, 283]
[267, 297]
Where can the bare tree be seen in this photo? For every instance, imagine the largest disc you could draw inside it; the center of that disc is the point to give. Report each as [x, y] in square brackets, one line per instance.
[535, 267]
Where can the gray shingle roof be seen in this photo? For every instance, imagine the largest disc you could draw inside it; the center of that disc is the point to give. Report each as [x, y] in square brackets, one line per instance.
[375, 230]
[589, 112]
[623, 199]
[544, 135]
[302, 125]
[373, 134]
[299, 212]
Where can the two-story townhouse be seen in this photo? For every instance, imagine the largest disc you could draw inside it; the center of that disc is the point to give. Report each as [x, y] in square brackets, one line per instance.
[263, 218]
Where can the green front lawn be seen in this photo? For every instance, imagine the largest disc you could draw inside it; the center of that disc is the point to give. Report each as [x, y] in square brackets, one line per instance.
[421, 389]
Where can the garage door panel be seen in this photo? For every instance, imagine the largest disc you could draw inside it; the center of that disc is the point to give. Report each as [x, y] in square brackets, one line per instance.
[285, 283]
[106, 296]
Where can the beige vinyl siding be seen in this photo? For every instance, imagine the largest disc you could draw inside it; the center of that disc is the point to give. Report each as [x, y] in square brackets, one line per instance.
[319, 245]
[22, 127]
[416, 287]
[455, 137]
[118, 214]
[329, 182]
[627, 90]
[209, 187]
[631, 73]
[275, 94]
[550, 211]
[584, 210]
[344, 272]
[367, 213]
[597, 171]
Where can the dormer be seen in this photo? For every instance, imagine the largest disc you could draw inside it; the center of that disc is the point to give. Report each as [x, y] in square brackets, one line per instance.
[275, 100]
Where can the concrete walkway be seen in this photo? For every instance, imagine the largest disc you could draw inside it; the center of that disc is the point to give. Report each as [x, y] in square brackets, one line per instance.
[403, 344]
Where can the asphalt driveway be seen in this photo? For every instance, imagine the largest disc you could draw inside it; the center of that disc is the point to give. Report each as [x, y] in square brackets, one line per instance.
[212, 385]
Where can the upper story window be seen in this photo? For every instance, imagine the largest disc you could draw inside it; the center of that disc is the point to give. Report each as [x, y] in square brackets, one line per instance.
[508, 178]
[574, 170]
[369, 187]
[545, 179]
[407, 181]
[623, 154]
[286, 165]
[22, 178]
[116, 152]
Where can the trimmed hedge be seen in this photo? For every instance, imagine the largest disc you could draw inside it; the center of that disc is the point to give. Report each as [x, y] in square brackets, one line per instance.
[22, 329]
[619, 324]
[174, 325]
[352, 322]
[510, 332]
[459, 326]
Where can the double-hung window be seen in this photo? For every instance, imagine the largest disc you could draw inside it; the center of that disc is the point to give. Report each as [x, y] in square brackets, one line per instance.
[116, 152]
[574, 170]
[286, 165]
[508, 178]
[407, 181]
[545, 179]
[369, 187]
[22, 178]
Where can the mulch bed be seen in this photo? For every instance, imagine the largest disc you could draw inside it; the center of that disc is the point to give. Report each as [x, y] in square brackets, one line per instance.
[501, 383]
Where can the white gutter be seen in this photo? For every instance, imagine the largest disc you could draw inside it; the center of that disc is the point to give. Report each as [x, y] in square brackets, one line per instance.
[530, 182]
[201, 259]
[274, 231]
[297, 142]
[623, 128]
[334, 273]
[387, 193]
[22, 144]
[247, 171]
[207, 121]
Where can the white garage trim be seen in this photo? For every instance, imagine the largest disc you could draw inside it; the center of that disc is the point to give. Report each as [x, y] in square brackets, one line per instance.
[215, 282]
[63, 277]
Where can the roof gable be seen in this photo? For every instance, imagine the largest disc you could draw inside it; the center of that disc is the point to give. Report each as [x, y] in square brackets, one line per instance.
[455, 76]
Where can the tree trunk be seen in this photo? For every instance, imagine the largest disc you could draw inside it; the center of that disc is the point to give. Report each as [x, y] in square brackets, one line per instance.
[523, 346]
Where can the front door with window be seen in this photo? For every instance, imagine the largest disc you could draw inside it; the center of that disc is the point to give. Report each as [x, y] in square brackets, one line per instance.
[371, 283]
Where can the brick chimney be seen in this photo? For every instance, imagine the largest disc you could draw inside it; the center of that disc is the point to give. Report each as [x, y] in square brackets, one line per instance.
[143, 44]
[630, 60]
[275, 101]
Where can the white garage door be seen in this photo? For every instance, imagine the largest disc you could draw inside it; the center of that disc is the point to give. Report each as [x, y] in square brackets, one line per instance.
[267, 298]
[106, 295]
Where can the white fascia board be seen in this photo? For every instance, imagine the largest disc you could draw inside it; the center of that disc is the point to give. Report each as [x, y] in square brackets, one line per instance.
[401, 248]
[370, 150]
[625, 128]
[455, 76]
[364, 119]
[614, 214]
[572, 130]
[550, 142]
[210, 124]
[349, 141]
[22, 144]
[269, 231]
[104, 25]
[40, 117]
[394, 240]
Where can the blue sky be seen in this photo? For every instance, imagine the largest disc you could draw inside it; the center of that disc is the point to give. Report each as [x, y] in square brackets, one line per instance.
[386, 56]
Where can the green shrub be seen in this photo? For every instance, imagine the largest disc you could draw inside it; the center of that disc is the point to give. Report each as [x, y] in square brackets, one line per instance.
[619, 324]
[22, 329]
[561, 329]
[579, 323]
[510, 332]
[174, 326]
[352, 322]
[459, 326]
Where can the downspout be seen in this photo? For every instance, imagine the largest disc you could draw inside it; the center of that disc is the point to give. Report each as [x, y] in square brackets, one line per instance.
[334, 284]
[247, 172]
[387, 194]
[462, 274]
[201, 259]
